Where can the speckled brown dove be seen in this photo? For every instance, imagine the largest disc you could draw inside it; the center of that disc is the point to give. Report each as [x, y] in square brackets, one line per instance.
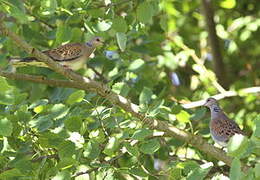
[72, 55]
[221, 127]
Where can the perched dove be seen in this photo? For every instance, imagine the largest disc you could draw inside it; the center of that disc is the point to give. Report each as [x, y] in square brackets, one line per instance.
[221, 127]
[72, 55]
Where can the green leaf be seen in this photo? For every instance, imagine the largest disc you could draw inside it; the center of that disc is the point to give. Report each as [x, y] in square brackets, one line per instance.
[73, 123]
[76, 34]
[145, 96]
[4, 86]
[66, 149]
[92, 150]
[97, 135]
[50, 140]
[132, 150]
[138, 171]
[141, 134]
[176, 109]
[175, 173]
[155, 108]
[11, 173]
[63, 34]
[235, 170]
[38, 103]
[103, 25]
[199, 114]
[257, 170]
[6, 127]
[188, 166]
[136, 64]
[48, 6]
[24, 116]
[237, 145]
[58, 111]
[42, 123]
[76, 97]
[7, 96]
[23, 164]
[121, 88]
[66, 162]
[121, 40]
[183, 116]
[150, 146]
[111, 146]
[198, 173]
[257, 126]
[67, 3]
[228, 4]
[62, 175]
[145, 12]
[16, 9]
[119, 24]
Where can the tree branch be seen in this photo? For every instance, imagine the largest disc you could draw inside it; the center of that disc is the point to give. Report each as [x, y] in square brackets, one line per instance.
[218, 63]
[223, 95]
[204, 71]
[102, 90]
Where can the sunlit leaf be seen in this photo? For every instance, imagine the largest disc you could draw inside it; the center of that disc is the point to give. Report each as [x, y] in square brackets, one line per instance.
[119, 24]
[136, 64]
[92, 150]
[145, 96]
[237, 145]
[121, 88]
[76, 97]
[141, 134]
[121, 40]
[73, 123]
[228, 4]
[183, 116]
[6, 127]
[145, 12]
[150, 147]
[235, 170]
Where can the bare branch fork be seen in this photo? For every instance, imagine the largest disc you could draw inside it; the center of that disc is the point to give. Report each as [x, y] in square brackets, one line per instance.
[84, 83]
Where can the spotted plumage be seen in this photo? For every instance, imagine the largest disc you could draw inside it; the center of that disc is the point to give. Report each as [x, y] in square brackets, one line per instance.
[73, 55]
[221, 127]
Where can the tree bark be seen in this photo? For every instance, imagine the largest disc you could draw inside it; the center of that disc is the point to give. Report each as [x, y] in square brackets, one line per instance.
[218, 64]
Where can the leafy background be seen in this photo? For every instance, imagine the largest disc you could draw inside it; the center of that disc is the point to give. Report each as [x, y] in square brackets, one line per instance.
[54, 133]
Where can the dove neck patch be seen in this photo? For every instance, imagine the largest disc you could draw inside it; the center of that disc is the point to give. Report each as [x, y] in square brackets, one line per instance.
[216, 109]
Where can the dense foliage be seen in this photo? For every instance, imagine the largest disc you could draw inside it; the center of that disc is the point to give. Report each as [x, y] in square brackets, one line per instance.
[149, 56]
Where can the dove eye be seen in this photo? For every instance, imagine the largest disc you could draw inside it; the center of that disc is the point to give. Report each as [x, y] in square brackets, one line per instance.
[98, 39]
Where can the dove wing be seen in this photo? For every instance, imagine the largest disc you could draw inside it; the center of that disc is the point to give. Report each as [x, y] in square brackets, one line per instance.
[66, 52]
[225, 127]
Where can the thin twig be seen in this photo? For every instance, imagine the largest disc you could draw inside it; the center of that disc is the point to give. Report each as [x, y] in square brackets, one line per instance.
[95, 169]
[52, 156]
[98, 74]
[205, 71]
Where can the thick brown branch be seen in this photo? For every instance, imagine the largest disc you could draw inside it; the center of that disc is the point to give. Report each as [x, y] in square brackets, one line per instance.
[219, 66]
[99, 88]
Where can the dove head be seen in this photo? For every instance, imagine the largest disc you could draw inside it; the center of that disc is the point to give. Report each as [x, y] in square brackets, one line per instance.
[95, 42]
[211, 102]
